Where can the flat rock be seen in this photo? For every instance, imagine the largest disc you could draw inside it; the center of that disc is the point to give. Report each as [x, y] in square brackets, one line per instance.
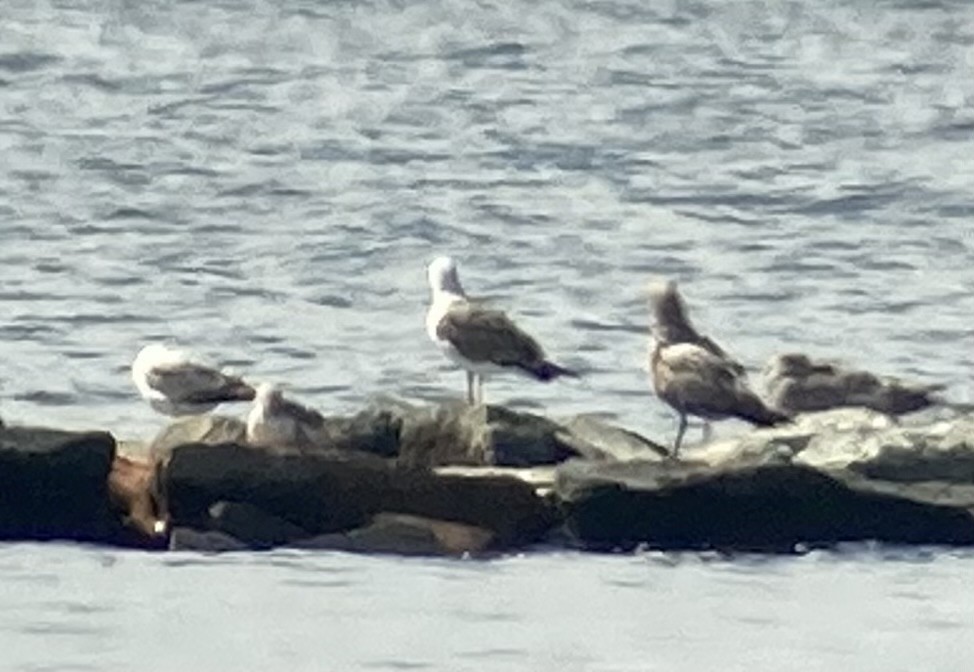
[341, 491]
[54, 485]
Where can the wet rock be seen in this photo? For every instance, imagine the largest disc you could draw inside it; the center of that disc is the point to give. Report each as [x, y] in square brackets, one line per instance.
[768, 507]
[253, 526]
[406, 535]
[343, 490]
[796, 383]
[54, 485]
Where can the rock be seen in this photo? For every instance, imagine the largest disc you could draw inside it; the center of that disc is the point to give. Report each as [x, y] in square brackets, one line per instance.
[188, 539]
[253, 526]
[374, 431]
[340, 491]
[460, 434]
[795, 384]
[595, 438]
[131, 489]
[427, 436]
[208, 428]
[54, 485]
[776, 507]
[861, 441]
[847, 474]
[406, 535]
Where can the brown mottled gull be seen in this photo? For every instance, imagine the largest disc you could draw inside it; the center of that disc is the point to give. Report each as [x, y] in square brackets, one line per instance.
[693, 374]
[796, 383]
[480, 339]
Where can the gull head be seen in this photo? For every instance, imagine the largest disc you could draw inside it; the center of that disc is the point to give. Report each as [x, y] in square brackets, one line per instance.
[660, 290]
[153, 355]
[443, 277]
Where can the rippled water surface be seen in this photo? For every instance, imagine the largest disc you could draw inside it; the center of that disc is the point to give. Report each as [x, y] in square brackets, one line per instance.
[68, 608]
[265, 181]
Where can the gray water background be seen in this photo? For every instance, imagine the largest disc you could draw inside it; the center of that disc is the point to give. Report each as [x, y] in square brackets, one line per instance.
[265, 181]
[867, 610]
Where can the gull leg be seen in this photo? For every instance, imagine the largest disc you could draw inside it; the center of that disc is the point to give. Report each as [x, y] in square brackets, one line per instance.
[480, 388]
[679, 435]
[708, 431]
[470, 388]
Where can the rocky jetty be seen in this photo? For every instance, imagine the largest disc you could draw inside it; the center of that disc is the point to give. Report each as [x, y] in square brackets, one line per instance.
[454, 480]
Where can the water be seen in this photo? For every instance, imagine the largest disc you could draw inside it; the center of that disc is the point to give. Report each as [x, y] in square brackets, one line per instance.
[68, 608]
[264, 182]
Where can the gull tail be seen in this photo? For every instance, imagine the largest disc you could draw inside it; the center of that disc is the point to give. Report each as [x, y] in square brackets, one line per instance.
[755, 411]
[546, 371]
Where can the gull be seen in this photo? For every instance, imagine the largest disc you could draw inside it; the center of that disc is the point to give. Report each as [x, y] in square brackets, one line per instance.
[479, 339]
[797, 383]
[693, 374]
[175, 385]
[278, 422]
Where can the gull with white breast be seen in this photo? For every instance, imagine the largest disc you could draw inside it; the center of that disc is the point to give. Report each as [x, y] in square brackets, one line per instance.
[174, 384]
[281, 423]
[480, 339]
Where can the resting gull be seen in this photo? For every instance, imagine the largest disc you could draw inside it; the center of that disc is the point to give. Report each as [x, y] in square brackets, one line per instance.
[480, 339]
[278, 422]
[693, 374]
[796, 383]
[175, 385]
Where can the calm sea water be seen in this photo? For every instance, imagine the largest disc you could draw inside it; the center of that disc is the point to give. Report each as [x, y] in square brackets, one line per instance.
[66, 608]
[264, 182]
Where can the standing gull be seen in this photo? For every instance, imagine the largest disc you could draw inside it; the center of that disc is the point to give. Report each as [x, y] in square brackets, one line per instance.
[175, 385]
[278, 422]
[693, 374]
[481, 340]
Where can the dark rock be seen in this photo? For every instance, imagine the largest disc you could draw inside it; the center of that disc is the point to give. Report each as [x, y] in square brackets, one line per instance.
[253, 526]
[796, 383]
[457, 433]
[210, 541]
[406, 535]
[428, 436]
[340, 491]
[54, 485]
[460, 434]
[778, 507]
